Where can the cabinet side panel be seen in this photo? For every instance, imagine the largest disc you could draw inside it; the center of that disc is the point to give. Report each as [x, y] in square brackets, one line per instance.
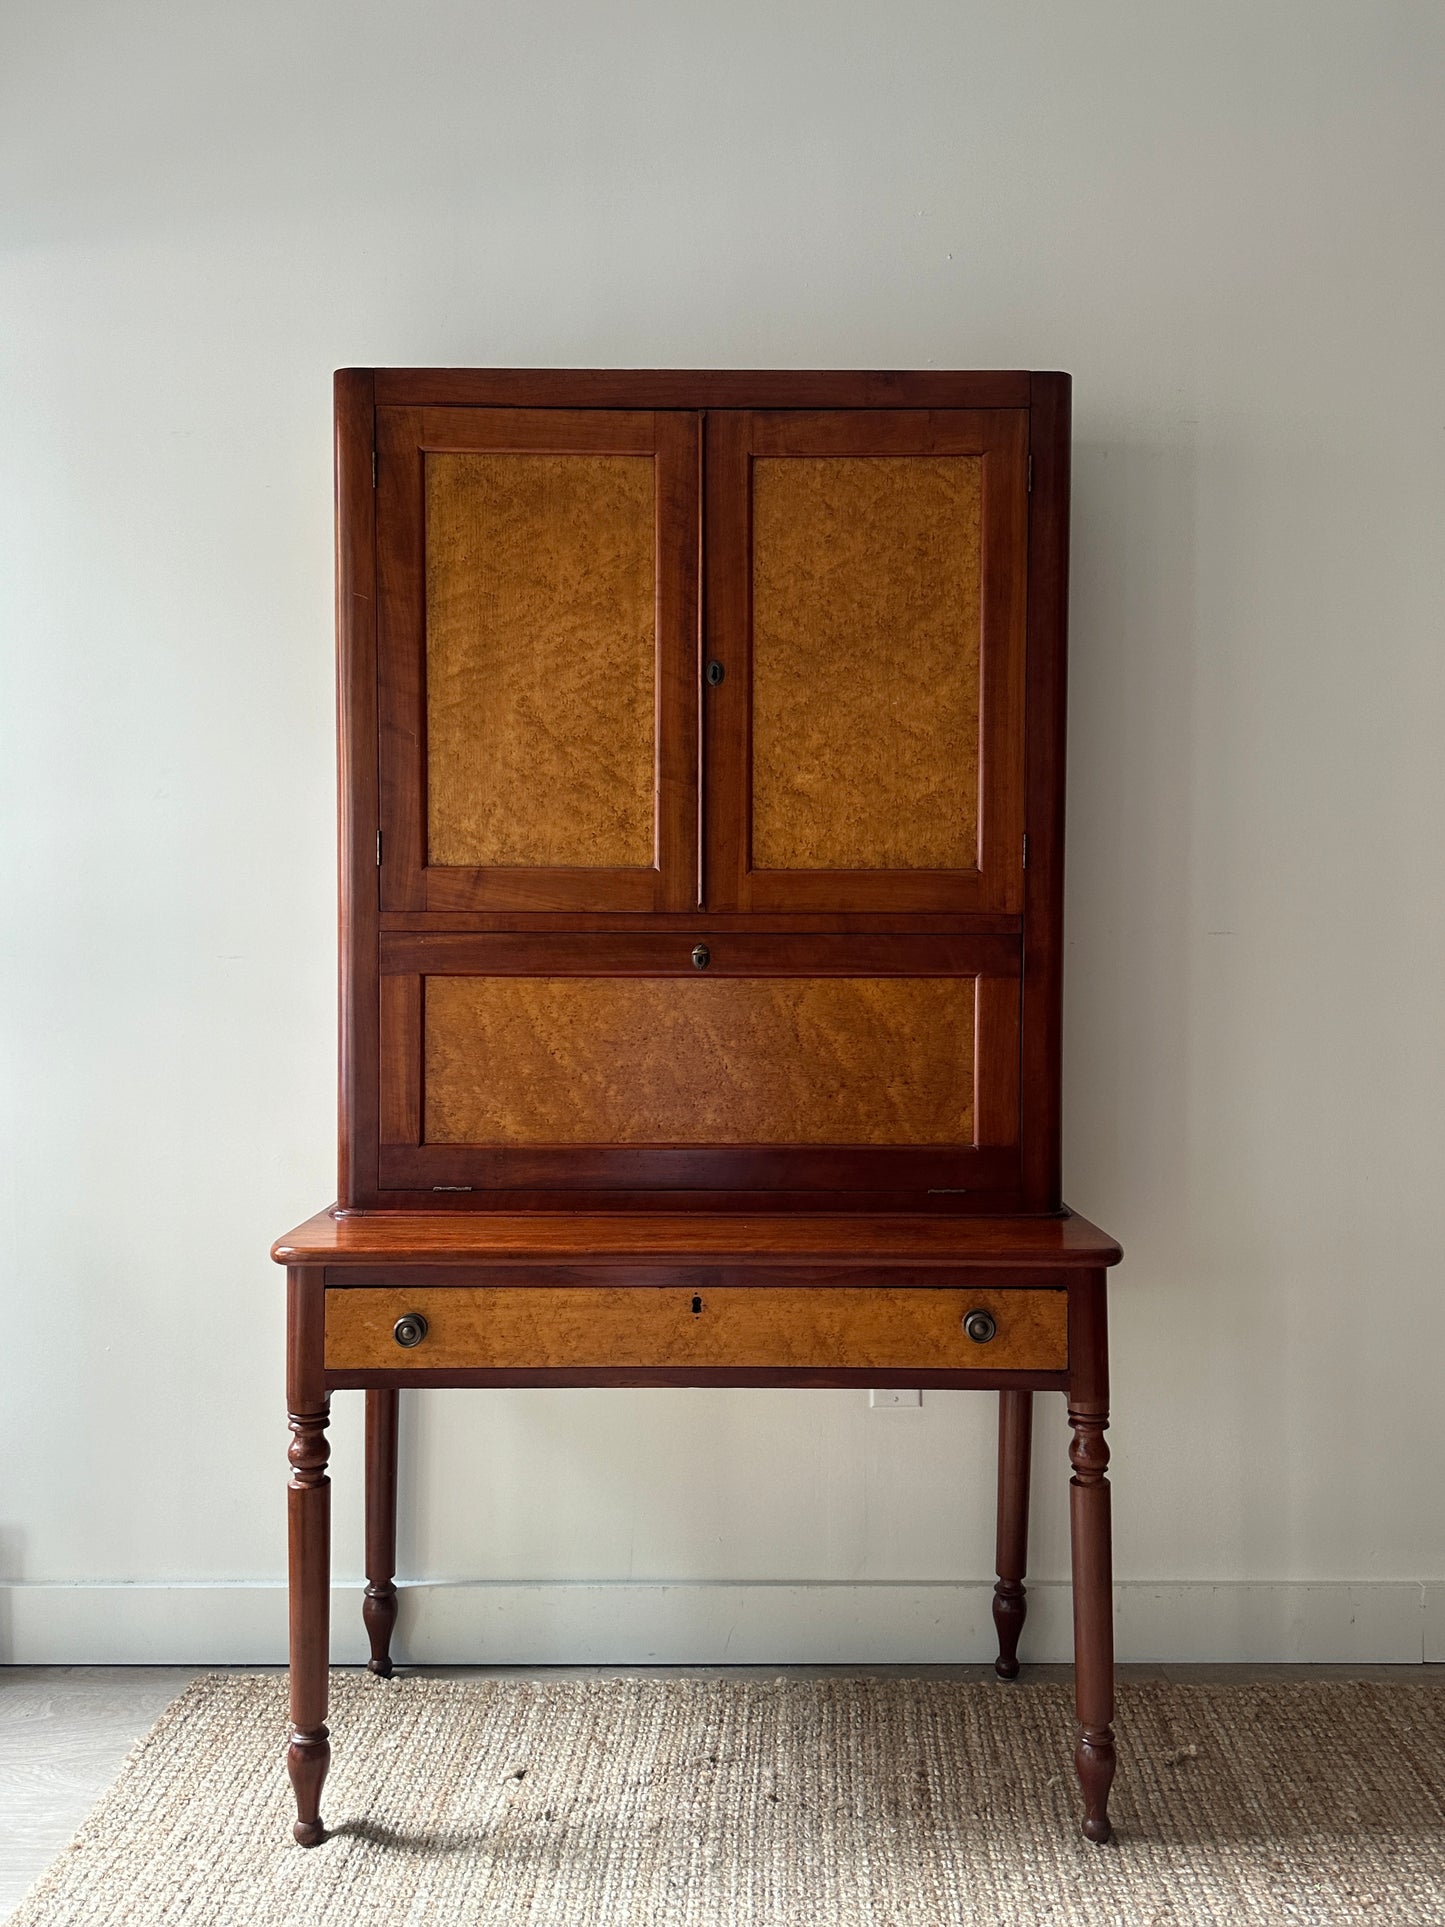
[357, 782]
[866, 658]
[639, 1061]
[541, 651]
[1046, 706]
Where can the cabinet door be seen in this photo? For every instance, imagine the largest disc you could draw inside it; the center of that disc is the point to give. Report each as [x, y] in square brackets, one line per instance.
[863, 719]
[537, 631]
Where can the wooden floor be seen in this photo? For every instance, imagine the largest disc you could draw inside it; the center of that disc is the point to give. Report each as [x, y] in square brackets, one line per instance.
[64, 1730]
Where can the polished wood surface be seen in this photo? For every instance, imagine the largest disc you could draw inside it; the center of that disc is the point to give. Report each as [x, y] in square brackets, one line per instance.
[1046, 705]
[308, 1505]
[854, 625]
[1091, 1539]
[339, 1237]
[734, 442]
[498, 1328]
[561, 1066]
[541, 646]
[565, 707]
[356, 775]
[378, 1608]
[866, 661]
[766, 666]
[702, 1059]
[1010, 1602]
[699, 388]
[731, 953]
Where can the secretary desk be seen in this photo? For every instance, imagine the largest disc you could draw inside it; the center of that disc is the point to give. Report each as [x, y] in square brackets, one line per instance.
[701, 772]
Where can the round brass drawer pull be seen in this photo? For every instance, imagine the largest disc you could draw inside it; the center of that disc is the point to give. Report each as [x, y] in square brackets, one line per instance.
[980, 1326]
[409, 1330]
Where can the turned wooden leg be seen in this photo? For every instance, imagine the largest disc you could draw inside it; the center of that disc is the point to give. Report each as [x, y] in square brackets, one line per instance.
[1090, 1538]
[1010, 1604]
[378, 1609]
[309, 1521]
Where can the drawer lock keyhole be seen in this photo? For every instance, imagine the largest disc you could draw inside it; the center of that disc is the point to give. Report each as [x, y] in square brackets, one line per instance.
[409, 1330]
[980, 1326]
[696, 1306]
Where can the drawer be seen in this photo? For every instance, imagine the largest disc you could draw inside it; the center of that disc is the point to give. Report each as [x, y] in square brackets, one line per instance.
[555, 1327]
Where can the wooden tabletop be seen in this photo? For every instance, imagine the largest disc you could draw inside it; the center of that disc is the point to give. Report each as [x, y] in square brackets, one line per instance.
[337, 1237]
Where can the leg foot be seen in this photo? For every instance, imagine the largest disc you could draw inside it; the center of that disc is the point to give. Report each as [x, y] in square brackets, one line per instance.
[1010, 1602]
[307, 1758]
[1010, 1609]
[1094, 1763]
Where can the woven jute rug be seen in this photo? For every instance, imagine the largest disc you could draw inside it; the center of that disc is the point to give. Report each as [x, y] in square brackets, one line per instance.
[754, 1803]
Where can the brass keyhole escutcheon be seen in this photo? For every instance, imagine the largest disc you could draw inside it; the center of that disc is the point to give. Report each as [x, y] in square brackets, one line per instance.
[980, 1326]
[701, 956]
[409, 1330]
[715, 674]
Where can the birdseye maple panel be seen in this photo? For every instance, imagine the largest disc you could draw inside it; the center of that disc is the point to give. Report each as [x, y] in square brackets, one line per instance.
[678, 1060]
[866, 661]
[540, 660]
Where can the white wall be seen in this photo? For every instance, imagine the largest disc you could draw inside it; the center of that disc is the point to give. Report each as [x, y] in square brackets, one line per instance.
[1225, 220]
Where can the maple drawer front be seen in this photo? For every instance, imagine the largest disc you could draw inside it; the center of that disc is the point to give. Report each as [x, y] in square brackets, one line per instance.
[552, 1327]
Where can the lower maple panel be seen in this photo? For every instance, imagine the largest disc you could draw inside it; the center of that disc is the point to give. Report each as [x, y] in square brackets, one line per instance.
[510, 1328]
[699, 1060]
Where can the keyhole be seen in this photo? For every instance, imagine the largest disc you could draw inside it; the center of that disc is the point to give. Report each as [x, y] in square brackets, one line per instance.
[696, 1306]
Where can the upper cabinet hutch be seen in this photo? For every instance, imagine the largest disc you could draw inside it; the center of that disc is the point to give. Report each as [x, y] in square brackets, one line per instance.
[702, 775]
[702, 754]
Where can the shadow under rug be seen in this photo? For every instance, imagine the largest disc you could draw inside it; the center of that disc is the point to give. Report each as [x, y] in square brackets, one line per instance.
[841, 1802]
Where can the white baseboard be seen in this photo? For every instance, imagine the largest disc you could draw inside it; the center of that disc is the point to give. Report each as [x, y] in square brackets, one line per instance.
[497, 1624]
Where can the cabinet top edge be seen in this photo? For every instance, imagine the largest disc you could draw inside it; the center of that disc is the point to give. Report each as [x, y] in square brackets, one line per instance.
[703, 388]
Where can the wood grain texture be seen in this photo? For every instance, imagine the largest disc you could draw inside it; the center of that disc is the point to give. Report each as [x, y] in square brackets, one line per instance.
[407, 440]
[623, 1326]
[734, 953]
[400, 1059]
[743, 871]
[1010, 1597]
[699, 1237]
[1046, 706]
[700, 388]
[356, 777]
[866, 660]
[708, 1177]
[701, 1060]
[541, 648]
[1091, 1544]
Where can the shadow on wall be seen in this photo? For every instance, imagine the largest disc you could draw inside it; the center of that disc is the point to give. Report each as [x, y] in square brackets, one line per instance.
[1163, 756]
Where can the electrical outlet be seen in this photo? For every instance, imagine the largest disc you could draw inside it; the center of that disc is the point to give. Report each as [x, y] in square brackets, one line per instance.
[889, 1399]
